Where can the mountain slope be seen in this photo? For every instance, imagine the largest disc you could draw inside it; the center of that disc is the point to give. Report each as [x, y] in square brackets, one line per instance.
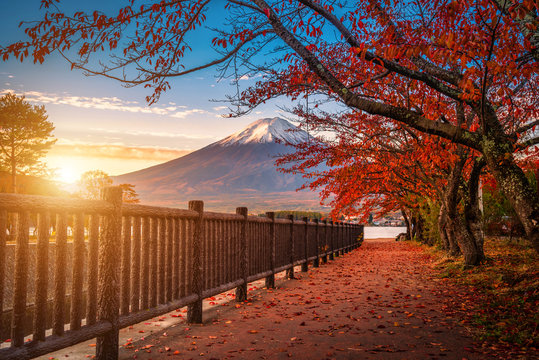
[267, 131]
[236, 171]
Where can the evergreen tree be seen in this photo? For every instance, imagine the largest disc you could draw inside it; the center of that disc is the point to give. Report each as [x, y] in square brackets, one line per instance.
[25, 136]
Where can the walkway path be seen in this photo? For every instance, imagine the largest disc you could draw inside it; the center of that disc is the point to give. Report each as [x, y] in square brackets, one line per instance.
[377, 302]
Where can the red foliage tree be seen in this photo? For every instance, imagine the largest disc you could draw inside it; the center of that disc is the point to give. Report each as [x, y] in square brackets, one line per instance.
[465, 71]
[364, 171]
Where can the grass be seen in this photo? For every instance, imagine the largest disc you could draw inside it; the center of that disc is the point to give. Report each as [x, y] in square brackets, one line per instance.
[501, 295]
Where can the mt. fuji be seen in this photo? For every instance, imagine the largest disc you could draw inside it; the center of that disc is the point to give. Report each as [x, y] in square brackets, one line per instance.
[267, 131]
[238, 170]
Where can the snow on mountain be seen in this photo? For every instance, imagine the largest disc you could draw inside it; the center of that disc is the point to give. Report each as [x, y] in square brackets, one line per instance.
[236, 171]
[266, 131]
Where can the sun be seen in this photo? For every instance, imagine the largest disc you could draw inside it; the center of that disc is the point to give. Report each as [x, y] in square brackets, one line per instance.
[67, 175]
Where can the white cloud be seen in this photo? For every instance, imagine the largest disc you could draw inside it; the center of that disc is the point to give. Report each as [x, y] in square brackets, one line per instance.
[184, 114]
[154, 133]
[250, 77]
[69, 148]
[219, 108]
[103, 103]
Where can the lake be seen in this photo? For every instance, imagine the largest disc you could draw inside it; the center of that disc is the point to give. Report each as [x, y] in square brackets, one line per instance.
[375, 232]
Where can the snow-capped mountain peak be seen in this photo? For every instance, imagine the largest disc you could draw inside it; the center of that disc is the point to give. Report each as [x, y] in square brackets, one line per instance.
[265, 131]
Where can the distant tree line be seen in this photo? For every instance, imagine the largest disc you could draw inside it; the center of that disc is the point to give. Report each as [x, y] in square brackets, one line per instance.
[298, 215]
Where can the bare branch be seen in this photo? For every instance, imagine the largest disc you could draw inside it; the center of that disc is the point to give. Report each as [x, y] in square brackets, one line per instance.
[408, 117]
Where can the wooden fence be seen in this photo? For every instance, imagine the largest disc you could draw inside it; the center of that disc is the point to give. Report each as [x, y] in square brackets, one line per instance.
[126, 263]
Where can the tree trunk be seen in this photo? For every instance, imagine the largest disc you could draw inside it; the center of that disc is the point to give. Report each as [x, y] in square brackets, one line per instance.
[498, 148]
[13, 177]
[442, 228]
[419, 227]
[518, 190]
[451, 200]
[466, 242]
[454, 249]
[408, 224]
[413, 226]
[465, 229]
[472, 213]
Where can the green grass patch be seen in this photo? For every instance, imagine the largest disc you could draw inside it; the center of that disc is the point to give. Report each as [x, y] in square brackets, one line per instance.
[503, 292]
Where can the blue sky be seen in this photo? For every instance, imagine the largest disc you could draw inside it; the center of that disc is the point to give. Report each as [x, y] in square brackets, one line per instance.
[102, 125]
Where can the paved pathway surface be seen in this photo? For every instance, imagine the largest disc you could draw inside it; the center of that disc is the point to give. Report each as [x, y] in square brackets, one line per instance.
[376, 302]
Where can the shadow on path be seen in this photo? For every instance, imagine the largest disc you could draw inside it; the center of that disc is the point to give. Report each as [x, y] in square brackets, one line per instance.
[376, 302]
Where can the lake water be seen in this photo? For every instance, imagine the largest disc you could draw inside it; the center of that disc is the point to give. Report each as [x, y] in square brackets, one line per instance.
[374, 232]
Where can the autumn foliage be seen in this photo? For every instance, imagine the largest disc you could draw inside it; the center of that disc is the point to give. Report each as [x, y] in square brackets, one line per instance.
[423, 95]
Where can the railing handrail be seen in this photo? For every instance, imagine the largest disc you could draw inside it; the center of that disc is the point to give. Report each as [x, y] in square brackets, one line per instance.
[40, 203]
[156, 211]
[192, 254]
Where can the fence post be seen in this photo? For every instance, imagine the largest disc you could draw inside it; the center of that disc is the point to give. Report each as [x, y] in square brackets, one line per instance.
[3, 236]
[93, 258]
[153, 261]
[351, 236]
[60, 260]
[21, 280]
[161, 258]
[326, 246]
[270, 279]
[356, 236]
[241, 290]
[194, 310]
[145, 264]
[135, 266]
[42, 265]
[290, 272]
[125, 290]
[338, 238]
[316, 262]
[346, 238]
[332, 241]
[108, 304]
[79, 250]
[343, 236]
[359, 236]
[305, 265]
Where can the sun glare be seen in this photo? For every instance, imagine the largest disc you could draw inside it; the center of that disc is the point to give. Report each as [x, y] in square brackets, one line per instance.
[67, 175]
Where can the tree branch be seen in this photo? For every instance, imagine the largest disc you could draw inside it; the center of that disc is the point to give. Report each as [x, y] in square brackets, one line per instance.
[408, 117]
[391, 65]
[526, 144]
[526, 127]
[528, 24]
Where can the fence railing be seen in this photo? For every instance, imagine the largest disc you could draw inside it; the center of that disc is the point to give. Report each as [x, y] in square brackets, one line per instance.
[92, 267]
